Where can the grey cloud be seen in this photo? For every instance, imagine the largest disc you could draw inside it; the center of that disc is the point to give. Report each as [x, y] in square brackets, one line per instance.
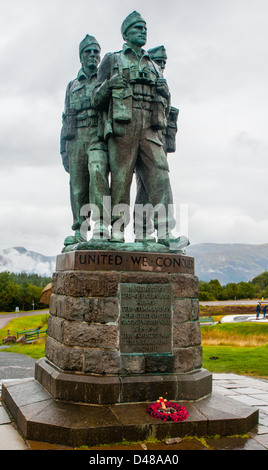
[245, 140]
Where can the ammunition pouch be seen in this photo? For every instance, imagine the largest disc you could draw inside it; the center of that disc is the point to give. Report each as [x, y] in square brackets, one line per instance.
[158, 118]
[172, 130]
[81, 104]
[122, 104]
[140, 104]
[68, 124]
[105, 126]
[160, 159]
[86, 119]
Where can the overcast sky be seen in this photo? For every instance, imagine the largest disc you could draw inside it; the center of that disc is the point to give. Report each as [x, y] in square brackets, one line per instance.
[217, 72]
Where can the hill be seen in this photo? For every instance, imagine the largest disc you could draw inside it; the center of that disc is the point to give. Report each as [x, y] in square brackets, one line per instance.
[225, 262]
[20, 260]
[229, 262]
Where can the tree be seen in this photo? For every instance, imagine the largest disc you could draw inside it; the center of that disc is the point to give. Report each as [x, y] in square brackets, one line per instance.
[209, 290]
[229, 292]
[215, 287]
[35, 294]
[213, 290]
[24, 297]
[17, 291]
[261, 280]
[8, 292]
[245, 290]
[206, 296]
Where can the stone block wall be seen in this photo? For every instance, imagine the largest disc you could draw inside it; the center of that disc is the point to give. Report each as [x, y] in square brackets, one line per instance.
[84, 324]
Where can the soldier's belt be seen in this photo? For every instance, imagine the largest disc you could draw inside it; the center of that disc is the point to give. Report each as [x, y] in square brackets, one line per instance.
[142, 105]
[93, 121]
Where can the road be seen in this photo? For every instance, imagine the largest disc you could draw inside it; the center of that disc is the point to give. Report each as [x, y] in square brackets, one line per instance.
[6, 317]
[213, 303]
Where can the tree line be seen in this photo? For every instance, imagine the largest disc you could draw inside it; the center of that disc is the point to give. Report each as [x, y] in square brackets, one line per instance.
[255, 289]
[21, 291]
[24, 290]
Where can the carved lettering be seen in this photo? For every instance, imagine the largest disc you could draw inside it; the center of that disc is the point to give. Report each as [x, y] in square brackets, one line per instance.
[145, 320]
[128, 261]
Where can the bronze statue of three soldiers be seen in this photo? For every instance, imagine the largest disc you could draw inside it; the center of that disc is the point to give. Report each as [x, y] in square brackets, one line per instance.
[117, 122]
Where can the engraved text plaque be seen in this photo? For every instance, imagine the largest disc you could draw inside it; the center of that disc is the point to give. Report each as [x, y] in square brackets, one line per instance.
[145, 320]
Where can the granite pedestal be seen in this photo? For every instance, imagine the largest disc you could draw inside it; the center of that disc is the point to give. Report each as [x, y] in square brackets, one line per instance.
[124, 327]
[123, 330]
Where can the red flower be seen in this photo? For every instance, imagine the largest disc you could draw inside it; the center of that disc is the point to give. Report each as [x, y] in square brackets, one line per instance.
[173, 411]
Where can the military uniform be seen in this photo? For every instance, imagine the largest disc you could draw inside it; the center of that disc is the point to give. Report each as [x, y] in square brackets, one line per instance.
[134, 115]
[167, 136]
[86, 153]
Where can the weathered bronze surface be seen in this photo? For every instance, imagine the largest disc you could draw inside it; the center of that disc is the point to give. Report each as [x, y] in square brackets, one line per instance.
[84, 154]
[145, 318]
[117, 122]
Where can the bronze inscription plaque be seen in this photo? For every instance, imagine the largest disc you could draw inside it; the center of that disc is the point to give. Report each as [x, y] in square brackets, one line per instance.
[145, 319]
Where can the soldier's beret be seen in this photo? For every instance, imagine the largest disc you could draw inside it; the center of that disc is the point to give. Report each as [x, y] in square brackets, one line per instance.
[131, 19]
[87, 41]
[158, 52]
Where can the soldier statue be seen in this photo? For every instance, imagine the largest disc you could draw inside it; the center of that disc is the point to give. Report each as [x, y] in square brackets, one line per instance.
[168, 138]
[134, 99]
[84, 155]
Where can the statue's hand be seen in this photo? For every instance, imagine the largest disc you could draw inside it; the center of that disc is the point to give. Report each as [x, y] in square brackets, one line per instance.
[162, 87]
[65, 161]
[117, 81]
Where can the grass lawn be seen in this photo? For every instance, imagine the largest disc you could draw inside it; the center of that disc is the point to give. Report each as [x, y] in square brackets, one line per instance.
[245, 361]
[235, 334]
[241, 348]
[36, 350]
[23, 323]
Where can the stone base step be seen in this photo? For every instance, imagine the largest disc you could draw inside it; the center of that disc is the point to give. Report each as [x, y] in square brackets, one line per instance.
[41, 418]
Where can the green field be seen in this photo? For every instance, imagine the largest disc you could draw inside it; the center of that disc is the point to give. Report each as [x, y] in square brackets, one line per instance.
[245, 361]
[241, 348]
[35, 350]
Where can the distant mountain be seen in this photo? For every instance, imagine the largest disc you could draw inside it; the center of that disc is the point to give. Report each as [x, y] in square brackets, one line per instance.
[229, 262]
[225, 262]
[20, 260]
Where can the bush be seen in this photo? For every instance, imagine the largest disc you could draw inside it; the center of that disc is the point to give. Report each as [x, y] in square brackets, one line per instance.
[206, 296]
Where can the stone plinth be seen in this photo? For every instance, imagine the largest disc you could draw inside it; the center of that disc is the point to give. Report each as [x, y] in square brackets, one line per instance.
[119, 338]
[123, 327]
[41, 418]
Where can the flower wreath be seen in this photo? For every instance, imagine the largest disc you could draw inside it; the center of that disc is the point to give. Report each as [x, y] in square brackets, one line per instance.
[167, 411]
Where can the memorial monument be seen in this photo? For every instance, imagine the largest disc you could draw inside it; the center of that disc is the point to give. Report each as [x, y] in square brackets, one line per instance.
[124, 311]
[124, 315]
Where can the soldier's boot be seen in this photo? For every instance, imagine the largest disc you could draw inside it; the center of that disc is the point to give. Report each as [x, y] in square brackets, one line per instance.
[174, 243]
[146, 238]
[117, 235]
[73, 239]
[101, 231]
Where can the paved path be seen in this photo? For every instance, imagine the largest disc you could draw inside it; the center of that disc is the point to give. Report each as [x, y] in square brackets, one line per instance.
[13, 367]
[248, 390]
[238, 317]
[215, 303]
[6, 317]
[244, 318]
